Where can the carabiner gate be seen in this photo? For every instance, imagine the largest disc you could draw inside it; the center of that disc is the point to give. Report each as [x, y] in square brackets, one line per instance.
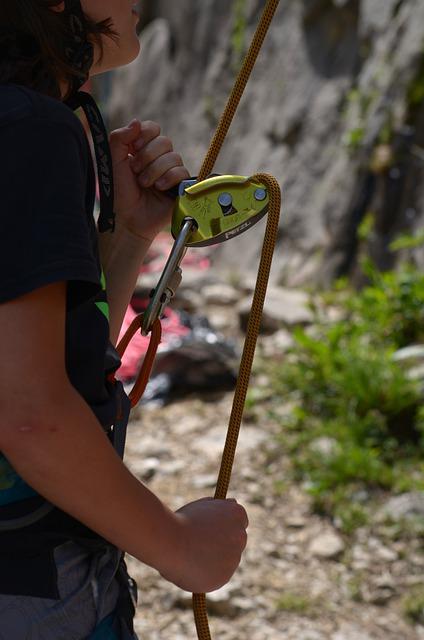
[170, 278]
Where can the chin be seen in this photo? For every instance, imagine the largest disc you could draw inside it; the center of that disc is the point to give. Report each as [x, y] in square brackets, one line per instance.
[118, 57]
[128, 53]
[135, 51]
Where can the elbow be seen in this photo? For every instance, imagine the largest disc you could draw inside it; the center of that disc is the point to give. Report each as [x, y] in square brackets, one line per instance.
[31, 418]
[18, 427]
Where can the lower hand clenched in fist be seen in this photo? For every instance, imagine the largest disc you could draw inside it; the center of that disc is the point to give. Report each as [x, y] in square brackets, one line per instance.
[212, 539]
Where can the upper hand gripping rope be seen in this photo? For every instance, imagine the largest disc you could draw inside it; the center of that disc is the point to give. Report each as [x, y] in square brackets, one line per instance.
[167, 285]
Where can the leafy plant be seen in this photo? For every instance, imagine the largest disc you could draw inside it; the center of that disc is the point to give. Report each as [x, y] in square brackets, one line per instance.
[295, 603]
[416, 88]
[413, 605]
[358, 423]
[408, 241]
[354, 138]
[390, 308]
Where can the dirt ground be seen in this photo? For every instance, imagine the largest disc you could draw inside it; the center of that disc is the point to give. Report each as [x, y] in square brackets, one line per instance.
[288, 586]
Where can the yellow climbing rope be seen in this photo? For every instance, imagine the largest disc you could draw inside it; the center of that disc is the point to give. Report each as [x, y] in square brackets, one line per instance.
[199, 599]
[239, 87]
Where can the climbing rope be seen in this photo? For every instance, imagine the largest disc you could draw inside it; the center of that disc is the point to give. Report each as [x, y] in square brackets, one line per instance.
[270, 238]
[199, 599]
[238, 89]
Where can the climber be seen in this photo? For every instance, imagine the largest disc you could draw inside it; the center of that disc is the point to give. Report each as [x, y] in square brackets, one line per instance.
[69, 507]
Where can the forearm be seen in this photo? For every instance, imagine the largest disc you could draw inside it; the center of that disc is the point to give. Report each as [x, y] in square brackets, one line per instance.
[67, 458]
[121, 254]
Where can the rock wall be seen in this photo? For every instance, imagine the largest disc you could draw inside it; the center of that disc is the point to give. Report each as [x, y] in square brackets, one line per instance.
[334, 110]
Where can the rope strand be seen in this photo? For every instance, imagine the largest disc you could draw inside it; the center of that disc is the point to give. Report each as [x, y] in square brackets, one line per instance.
[238, 89]
[199, 599]
[270, 238]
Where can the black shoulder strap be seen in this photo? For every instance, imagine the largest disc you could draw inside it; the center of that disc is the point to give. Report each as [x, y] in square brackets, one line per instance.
[80, 53]
[103, 157]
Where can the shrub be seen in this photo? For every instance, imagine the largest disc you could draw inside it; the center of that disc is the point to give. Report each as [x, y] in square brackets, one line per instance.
[349, 390]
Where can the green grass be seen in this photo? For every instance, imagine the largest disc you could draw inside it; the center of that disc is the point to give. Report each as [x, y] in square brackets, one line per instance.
[403, 529]
[296, 603]
[415, 94]
[354, 587]
[351, 396]
[413, 605]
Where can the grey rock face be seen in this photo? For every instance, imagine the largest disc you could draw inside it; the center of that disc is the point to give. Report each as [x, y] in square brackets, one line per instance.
[329, 111]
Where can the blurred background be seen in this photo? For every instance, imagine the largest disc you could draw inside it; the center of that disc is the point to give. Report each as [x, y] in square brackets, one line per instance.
[330, 462]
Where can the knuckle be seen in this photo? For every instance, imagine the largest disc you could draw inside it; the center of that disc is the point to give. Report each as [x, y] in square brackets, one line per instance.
[114, 137]
[155, 150]
[239, 540]
[177, 159]
[174, 173]
[151, 126]
[165, 143]
[242, 512]
[148, 156]
[171, 177]
[169, 160]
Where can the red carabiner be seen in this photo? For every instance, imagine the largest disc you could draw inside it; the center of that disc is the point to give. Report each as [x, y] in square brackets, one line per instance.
[146, 368]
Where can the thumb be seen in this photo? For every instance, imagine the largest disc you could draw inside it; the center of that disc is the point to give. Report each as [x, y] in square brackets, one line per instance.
[122, 139]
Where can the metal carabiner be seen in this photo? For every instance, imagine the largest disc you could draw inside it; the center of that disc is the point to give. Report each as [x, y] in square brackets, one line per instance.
[170, 278]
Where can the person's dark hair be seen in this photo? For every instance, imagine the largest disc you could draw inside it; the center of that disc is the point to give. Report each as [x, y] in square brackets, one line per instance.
[34, 41]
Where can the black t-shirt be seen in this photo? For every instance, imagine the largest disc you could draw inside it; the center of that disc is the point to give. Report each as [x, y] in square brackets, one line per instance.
[48, 234]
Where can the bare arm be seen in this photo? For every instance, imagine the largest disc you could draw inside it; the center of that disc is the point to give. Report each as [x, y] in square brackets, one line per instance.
[122, 254]
[52, 438]
[54, 441]
[145, 166]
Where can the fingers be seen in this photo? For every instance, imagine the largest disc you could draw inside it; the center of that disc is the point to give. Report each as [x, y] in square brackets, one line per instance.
[122, 139]
[240, 533]
[152, 157]
[214, 531]
[150, 152]
[154, 160]
[149, 130]
[132, 138]
[156, 170]
[240, 512]
[158, 165]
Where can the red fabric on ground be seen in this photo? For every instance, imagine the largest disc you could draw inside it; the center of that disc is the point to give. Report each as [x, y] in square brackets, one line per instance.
[196, 258]
[171, 327]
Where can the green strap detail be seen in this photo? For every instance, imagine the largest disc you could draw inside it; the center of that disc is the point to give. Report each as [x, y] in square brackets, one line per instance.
[103, 307]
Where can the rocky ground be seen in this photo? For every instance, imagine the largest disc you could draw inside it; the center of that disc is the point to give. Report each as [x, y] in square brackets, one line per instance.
[299, 578]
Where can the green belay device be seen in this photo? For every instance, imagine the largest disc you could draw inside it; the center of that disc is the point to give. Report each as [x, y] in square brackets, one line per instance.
[206, 213]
